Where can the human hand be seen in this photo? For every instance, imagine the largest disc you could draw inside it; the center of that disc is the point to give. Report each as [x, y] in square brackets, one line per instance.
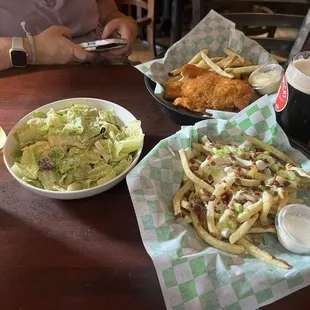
[54, 46]
[127, 28]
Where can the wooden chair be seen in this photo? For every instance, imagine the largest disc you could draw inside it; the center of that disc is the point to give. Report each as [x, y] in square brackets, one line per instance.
[270, 20]
[144, 13]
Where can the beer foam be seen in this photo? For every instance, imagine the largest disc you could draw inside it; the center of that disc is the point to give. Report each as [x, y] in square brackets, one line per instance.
[298, 75]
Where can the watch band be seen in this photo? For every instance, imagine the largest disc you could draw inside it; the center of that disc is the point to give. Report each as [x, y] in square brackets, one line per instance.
[18, 44]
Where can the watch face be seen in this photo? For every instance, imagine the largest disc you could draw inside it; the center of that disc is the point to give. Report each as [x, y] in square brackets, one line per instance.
[19, 58]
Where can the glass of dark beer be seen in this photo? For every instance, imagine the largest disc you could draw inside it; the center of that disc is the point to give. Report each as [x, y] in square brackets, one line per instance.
[293, 99]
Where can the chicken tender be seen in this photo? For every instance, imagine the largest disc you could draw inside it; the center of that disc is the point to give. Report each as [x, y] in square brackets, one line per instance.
[202, 89]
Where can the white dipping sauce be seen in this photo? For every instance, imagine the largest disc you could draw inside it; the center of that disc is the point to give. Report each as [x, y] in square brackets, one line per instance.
[293, 227]
[266, 79]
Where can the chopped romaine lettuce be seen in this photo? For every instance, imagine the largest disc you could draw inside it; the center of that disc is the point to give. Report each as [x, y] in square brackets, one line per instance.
[76, 148]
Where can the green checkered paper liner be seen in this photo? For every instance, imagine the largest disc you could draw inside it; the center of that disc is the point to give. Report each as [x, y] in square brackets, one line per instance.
[192, 274]
[214, 32]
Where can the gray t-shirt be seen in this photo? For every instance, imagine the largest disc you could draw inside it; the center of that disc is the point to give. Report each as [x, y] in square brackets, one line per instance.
[80, 16]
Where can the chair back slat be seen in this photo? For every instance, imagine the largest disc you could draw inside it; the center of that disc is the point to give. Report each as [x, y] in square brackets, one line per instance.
[271, 44]
[138, 3]
[262, 19]
[145, 18]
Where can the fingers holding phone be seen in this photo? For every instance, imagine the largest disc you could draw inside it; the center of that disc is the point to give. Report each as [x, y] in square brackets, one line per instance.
[54, 46]
[127, 28]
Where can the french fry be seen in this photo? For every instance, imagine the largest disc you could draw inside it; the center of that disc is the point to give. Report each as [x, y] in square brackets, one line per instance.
[243, 229]
[267, 203]
[295, 201]
[283, 201]
[262, 230]
[216, 68]
[299, 171]
[202, 148]
[262, 255]
[257, 175]
[216, 195]
[251, 210]
[204, 235]
[304, 181]
[230, 62]
[197, 58]
[216, 59]
[273, 212]
[186, 216]
[175, 72]
[185, 205]
[237, 63]
[222, 63]
[202, 64]
[237, 72]
[173, 79]
[232, 54]
[247, 182]
[191, 175]
[269, 148]
[179, 196]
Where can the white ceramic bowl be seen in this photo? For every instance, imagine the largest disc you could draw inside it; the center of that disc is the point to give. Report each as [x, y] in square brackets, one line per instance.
[123, 117]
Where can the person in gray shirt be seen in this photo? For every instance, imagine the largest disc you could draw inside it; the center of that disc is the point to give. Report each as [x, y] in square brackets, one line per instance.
[51, 29]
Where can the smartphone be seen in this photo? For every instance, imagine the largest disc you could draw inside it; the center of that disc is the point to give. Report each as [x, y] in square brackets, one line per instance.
[103, 45]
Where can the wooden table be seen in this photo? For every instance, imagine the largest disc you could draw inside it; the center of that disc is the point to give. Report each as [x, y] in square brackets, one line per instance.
[83, 254]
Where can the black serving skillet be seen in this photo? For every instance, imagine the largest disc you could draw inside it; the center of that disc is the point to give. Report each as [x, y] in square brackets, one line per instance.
[179, 115]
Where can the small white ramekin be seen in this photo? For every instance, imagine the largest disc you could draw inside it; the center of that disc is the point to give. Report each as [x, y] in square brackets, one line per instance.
[293, 228]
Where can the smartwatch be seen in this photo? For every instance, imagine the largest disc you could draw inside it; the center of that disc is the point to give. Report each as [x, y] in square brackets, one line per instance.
[18, 55]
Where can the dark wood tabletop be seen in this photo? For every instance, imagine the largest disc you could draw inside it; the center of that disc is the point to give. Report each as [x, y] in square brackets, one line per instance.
[88, 253]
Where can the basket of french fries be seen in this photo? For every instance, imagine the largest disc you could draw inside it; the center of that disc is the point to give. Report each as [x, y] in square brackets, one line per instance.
[206, 200]
[231, 193]
[206, 71]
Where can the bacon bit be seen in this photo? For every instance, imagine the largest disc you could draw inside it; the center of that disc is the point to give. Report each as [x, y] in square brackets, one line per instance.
[194, 167]
[212, 198]
[230, 217]
[198, 207]
[225, 188]
[242, 202]
[275, 183]
[209, 157]
[267, 188]
[210, 177]
[286, 183]
[226, 197]
[213, 163]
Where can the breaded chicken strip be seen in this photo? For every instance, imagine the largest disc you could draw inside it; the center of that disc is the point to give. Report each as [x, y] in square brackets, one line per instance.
[202, 89]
